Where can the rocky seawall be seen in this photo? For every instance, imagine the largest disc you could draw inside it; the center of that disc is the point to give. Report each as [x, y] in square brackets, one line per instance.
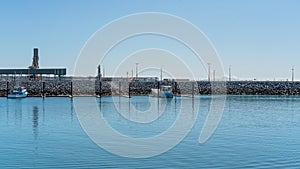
[67, 86]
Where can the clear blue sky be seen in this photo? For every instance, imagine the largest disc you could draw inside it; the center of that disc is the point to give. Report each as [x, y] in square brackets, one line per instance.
[260, 39]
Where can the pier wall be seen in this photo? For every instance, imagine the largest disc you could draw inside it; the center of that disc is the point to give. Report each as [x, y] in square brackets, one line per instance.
[67, 86]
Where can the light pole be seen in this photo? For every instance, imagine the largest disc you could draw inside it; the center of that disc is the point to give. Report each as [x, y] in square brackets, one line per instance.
[293, 73]
[161, 71]
[136, 70]
[103, 71]
[229, 72]
[208, 78]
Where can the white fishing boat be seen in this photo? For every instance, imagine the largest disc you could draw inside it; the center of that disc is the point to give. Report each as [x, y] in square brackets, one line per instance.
[20, 92]
[164, 91]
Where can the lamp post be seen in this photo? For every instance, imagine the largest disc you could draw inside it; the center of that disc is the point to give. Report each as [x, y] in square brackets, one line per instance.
[293, 73]
[161, 71]
[229, 72]
[103, 71]
[208, 78]
[136, 70]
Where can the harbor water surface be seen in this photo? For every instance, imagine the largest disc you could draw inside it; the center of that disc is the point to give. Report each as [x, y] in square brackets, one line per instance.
[254, 132]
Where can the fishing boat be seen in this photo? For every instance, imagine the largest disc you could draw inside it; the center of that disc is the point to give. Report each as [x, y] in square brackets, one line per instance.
[20, 92]
[164, 91]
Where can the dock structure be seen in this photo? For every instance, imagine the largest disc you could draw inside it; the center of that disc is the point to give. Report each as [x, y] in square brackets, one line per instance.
[34, 69]
[48, 71]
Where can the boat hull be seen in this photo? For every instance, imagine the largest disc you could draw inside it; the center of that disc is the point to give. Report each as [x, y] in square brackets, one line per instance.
[18, 93]
[16, 96]
[163, 94]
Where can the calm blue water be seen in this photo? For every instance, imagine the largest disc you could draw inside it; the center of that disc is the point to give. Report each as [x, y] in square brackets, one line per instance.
[255, 132]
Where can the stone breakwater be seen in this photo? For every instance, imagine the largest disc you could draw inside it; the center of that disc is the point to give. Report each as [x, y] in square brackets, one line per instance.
[91, 87]
[254, 87]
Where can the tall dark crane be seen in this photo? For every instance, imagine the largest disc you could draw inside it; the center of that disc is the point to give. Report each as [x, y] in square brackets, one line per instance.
[35, 59]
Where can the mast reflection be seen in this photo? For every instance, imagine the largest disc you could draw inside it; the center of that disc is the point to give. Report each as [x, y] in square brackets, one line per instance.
[35, 122]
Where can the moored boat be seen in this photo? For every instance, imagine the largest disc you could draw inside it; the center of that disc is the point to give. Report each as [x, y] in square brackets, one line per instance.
[20, 92]
[164, 91]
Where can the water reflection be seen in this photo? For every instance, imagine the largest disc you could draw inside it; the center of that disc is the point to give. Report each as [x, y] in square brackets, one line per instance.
[43, 114]
[130, 117]
[7, 110]
[72, 109]
[18, 112]
[35, 122]
[193, 108]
